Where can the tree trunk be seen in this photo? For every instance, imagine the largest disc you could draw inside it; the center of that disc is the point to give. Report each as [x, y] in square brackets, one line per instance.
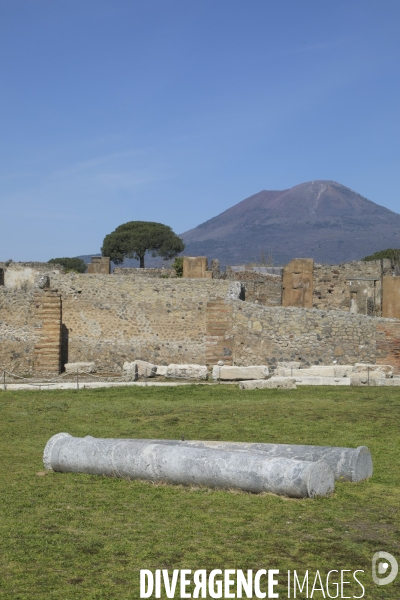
[141, 258]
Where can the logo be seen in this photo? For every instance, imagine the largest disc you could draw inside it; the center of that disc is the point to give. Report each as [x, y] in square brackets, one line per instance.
[380, 565]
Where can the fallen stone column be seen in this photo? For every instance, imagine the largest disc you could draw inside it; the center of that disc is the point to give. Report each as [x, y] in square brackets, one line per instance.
[347, 464]
[188, 465]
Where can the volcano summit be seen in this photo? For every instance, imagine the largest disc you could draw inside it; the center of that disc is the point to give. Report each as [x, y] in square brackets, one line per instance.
[323, 220]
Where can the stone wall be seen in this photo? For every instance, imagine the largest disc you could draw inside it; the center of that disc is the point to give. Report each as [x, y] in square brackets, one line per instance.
[20, 330]
[297, 283]
[195, 267]
[391, 297]
[25, 275]
[99, 264]
[264, 335]
[259, 288]
[388, 343]
[133, 272]
[112, 319]
[349, 286]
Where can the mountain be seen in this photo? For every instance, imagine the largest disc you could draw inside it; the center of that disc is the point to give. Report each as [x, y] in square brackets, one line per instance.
[323, 220]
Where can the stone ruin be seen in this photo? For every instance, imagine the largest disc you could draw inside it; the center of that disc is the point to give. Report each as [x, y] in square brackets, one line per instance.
[49, 318]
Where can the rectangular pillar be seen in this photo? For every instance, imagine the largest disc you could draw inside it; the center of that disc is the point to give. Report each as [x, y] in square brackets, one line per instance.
[219, 332]
[297, 283]
[47, 353]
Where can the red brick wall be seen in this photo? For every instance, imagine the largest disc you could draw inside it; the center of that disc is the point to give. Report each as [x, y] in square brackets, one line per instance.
[219, 337]
[47, 354]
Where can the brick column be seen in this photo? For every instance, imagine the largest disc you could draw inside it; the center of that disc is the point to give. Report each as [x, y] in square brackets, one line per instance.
[388, 344]
[219, 333]
[47, 354]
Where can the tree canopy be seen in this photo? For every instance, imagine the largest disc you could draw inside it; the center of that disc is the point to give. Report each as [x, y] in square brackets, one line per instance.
[392, 253]
[70, 264]
[135, 238]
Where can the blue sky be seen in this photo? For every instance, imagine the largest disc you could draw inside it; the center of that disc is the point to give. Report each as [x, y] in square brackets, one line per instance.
[173, 111]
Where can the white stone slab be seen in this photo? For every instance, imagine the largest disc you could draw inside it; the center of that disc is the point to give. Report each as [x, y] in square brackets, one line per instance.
[226, 373]
[286, 383]
[384, 370]
[373, 380]
[188, 371]
[321, 380]
[129, 371]
[317, 371]
[162, 370]
[145, 369]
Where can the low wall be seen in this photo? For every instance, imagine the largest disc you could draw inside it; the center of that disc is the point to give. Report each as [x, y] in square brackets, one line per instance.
[260, 288]
[334, 285]
[112, 319]
[263, 335]
[25, 276]
[132, 272]
[20, 330]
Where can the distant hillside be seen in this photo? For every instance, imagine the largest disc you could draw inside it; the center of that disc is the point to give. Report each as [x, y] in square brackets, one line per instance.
[323, 220]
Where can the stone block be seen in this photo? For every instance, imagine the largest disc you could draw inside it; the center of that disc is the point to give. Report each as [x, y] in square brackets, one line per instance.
[321, 380]
[195, 267]
[374, 370]
[80, 367]
[145, 369]
[161, 370]
[138, 369]
[186, 371]
[226, 373]
[129, 371]
[100, 264]
[286, 383]
[317, 371]
[374, 379]
[386, 382]
[342, 370]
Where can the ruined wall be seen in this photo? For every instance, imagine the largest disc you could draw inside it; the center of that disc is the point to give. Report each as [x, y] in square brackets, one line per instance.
[195, 267]
[259, 288]
[20, 330]
[297, 283]
[99, 264]
[349, 286]
[264, 335]
[25, 276]
[112, 319]
[133, 272]
[391, 297]
[388, 343]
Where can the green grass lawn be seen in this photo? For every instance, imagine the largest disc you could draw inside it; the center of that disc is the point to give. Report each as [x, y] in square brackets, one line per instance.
[69, 536]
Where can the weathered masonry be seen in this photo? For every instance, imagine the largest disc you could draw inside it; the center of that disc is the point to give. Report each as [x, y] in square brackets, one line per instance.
[110, 319]
[47, 352]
